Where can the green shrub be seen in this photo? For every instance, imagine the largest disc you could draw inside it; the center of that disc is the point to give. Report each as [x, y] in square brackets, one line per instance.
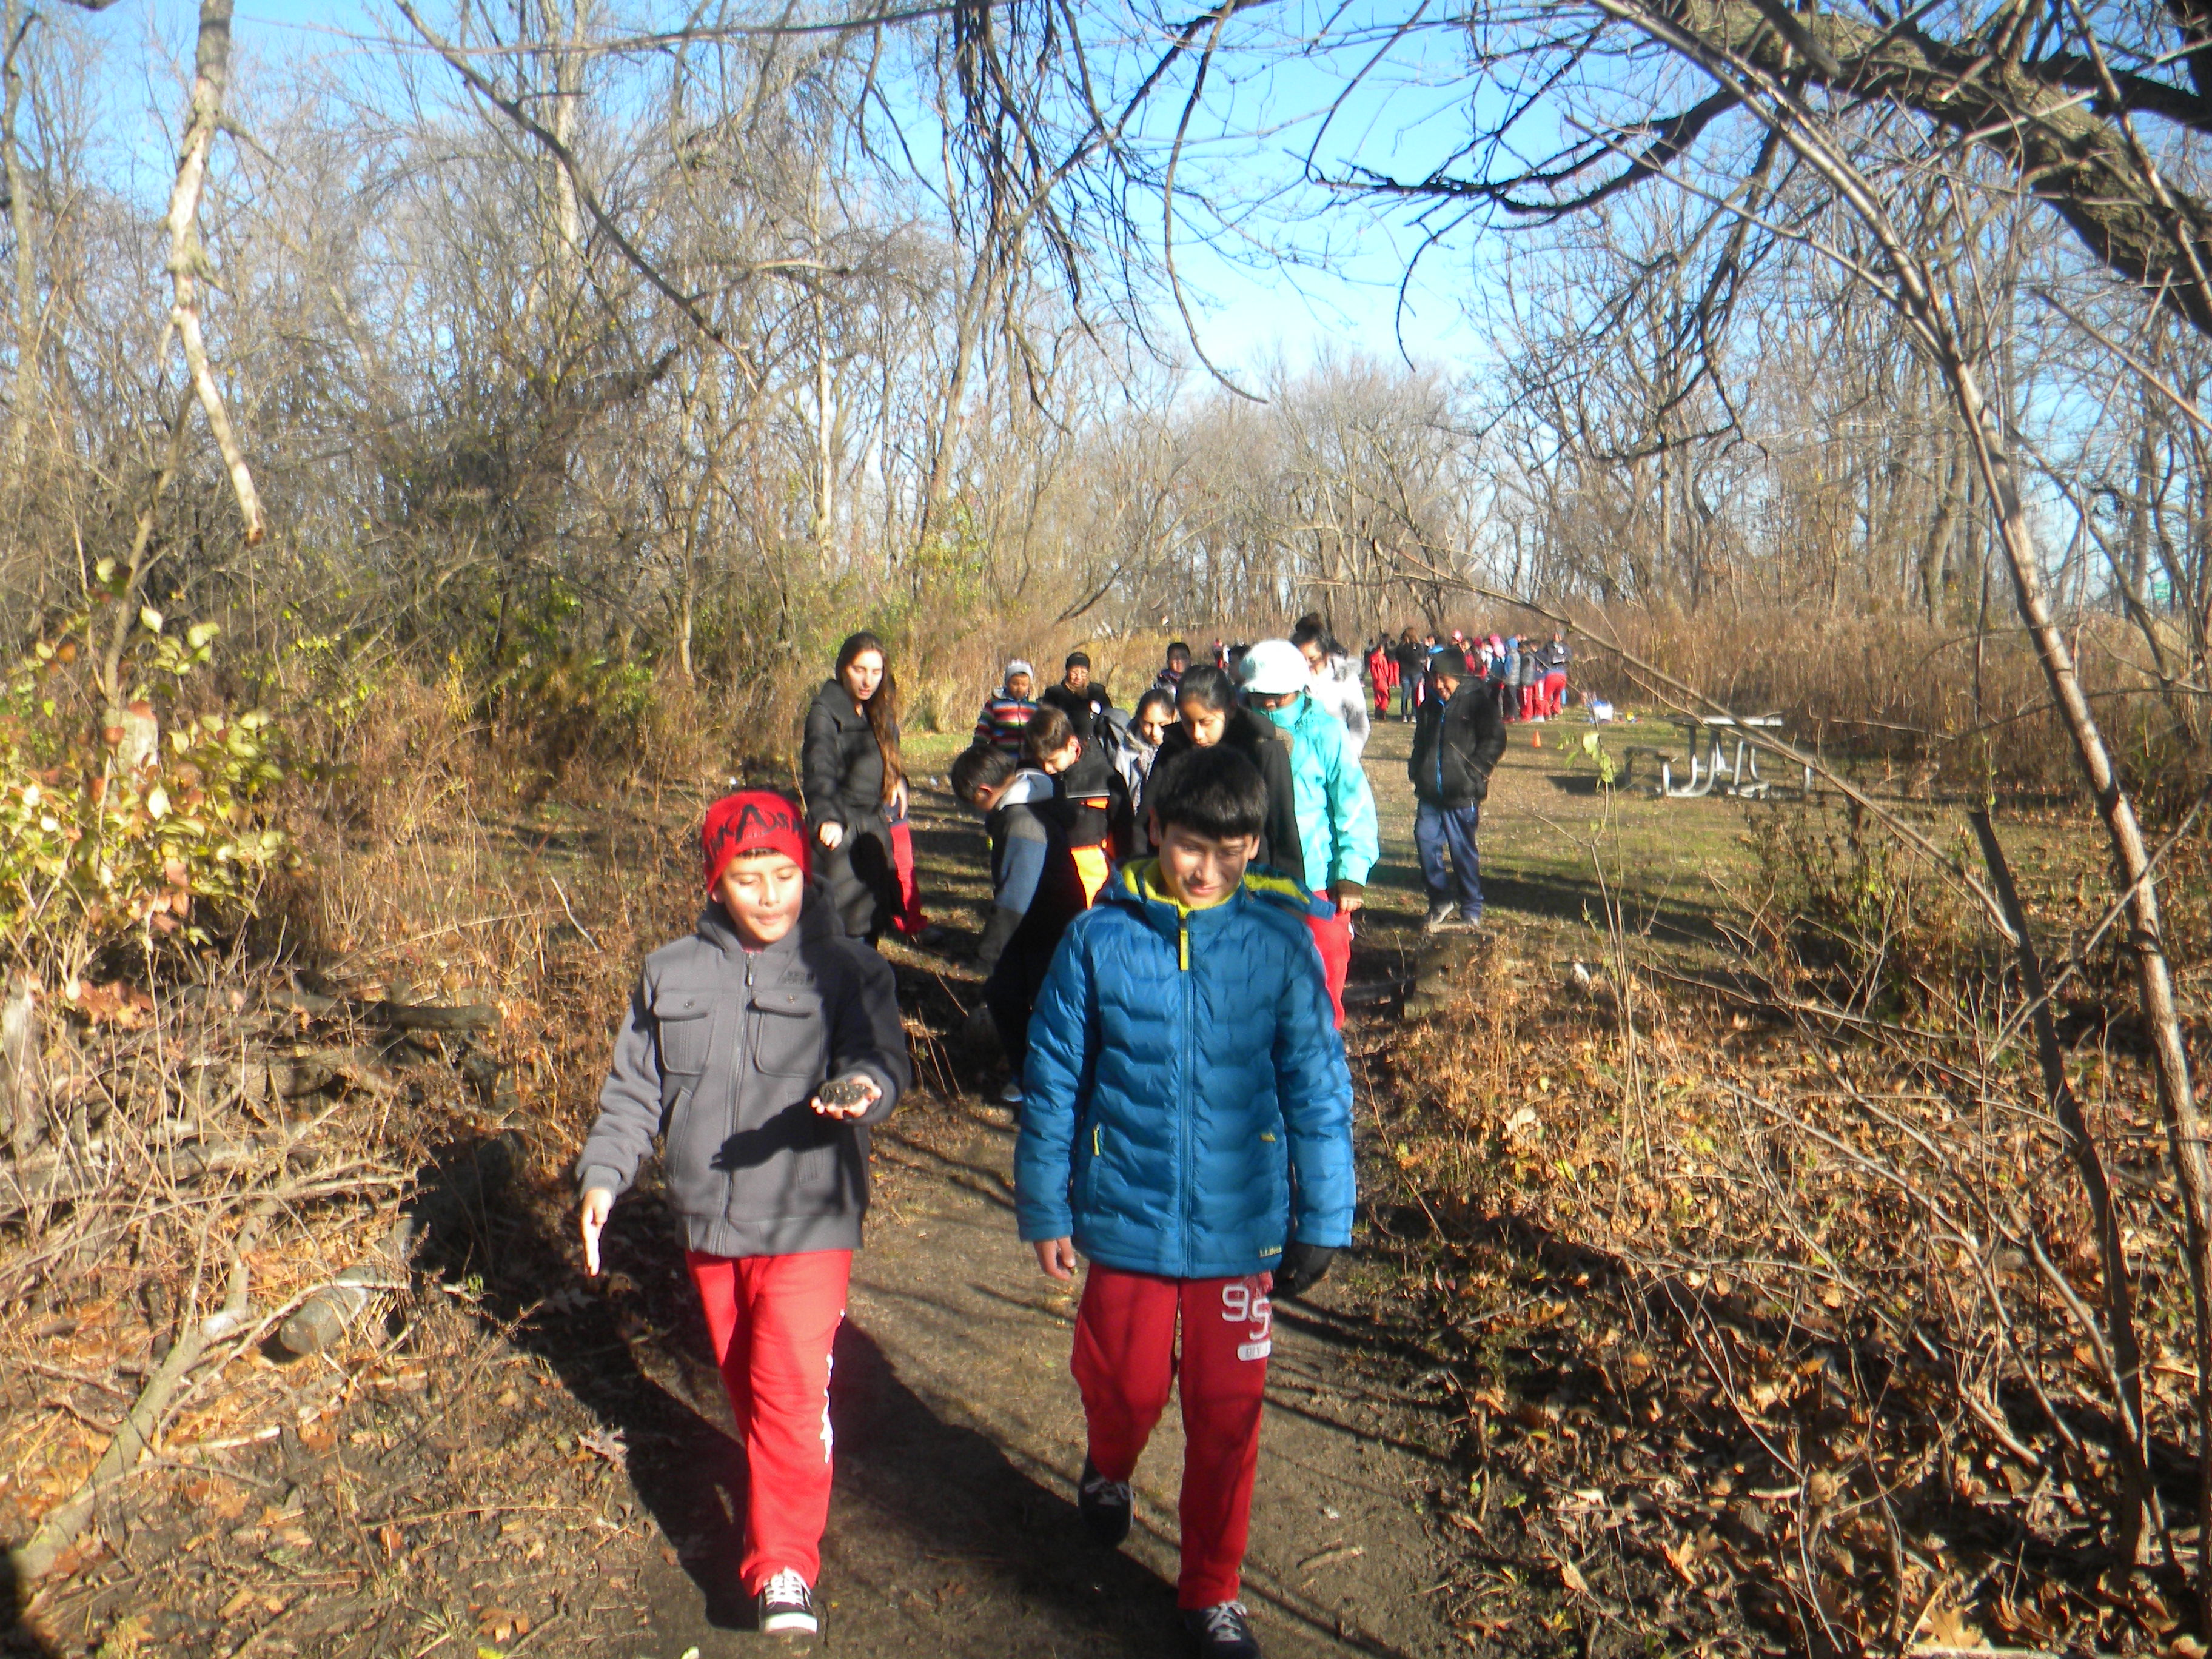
[135, 818]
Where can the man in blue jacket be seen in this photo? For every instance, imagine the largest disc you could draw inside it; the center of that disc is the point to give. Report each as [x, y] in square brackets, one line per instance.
[1188, 1129]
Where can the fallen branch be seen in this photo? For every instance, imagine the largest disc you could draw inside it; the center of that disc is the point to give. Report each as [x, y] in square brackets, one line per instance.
[324, 1318]
[134, 1439]
[52, 1181]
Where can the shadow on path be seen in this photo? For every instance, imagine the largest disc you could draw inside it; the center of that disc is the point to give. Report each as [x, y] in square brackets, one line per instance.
[16, 1636]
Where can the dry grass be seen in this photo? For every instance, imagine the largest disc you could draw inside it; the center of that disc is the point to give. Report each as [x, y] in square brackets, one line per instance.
[1922, 708]
[1814, 1290]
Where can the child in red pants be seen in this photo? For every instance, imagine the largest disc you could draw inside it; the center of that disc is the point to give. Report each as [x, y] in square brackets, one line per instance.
[1187, 1127]
[760, 1049]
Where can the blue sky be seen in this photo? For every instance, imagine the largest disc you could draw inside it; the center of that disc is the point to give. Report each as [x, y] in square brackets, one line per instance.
[1342, 294]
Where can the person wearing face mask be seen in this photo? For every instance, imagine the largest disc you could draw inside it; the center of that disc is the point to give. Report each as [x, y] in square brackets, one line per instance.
[856, 787]
[1207, 715]
[1338, 835]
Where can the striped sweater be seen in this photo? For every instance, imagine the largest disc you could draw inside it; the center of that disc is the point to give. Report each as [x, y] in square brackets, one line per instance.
[1002, 722]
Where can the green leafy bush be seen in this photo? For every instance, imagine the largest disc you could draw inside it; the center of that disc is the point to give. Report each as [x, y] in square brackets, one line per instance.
[134, 817]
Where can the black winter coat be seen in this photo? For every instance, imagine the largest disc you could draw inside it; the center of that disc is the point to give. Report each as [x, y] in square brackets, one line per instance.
[1082, 707]
[841, 764]
[1252, 736]
[1456, 743]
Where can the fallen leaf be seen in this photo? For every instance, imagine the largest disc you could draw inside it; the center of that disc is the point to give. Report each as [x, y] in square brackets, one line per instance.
[1947, 1627]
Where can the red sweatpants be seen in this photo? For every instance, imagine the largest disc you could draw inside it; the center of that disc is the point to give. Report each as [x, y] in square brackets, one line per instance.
[910, 920]
[1125, 1360]
[1334, 935]
[771, 1319]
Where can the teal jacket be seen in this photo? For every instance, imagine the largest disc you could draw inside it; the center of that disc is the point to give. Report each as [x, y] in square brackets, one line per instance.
[1186, 1108]
[1335, 808]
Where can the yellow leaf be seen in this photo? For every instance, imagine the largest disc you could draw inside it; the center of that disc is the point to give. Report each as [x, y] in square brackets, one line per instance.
[150, 617]
[1947, 1627]
[157, 802]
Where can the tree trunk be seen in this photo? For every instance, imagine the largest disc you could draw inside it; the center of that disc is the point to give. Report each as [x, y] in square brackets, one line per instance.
[20, 1095]
[210, 77]
[1935, 567]
[2186, 1126]
[17, 26]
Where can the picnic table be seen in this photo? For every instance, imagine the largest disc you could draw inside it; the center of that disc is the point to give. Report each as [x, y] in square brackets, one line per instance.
[1706, 747]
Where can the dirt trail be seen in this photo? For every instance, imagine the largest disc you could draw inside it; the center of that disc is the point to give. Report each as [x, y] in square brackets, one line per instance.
[959, 1433]
[519, 1461]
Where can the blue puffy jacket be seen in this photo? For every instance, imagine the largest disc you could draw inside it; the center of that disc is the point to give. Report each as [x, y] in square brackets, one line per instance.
[1186, 1105]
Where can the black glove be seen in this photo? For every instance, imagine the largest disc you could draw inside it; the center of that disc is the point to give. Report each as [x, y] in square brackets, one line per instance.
[1304, 1266]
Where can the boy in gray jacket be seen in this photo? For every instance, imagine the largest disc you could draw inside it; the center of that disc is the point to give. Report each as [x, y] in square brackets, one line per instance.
[760, 1049]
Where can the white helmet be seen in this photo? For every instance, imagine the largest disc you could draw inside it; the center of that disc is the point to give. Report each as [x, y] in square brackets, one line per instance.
[1274, 668]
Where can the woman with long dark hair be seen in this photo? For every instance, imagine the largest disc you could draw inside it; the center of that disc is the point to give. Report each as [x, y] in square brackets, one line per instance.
[856, 786]
[1207, 713]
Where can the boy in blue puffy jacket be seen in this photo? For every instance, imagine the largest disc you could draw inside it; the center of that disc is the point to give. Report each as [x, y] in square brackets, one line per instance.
[1187, 1130]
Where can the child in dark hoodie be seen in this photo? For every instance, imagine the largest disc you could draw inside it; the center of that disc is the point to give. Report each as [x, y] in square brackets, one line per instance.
[1088, 793]
[759, 1049]
[1036, 890]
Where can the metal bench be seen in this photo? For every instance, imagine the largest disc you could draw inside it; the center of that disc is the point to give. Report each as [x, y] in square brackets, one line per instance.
[1638, 753]
[1736, 774]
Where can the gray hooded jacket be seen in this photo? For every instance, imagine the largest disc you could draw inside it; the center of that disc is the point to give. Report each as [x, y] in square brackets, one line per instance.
[722, 1054]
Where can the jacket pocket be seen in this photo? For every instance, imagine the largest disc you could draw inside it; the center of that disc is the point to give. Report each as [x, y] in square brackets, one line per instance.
[694, 1188]
[790, 1034]
[685, 1021]
[1089, 1152]
[1276, 1161]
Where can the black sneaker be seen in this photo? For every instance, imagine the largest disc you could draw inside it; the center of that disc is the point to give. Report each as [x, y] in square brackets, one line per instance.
[1221, 1631]
[1440, 917]
[787, 1606]
[1103, 1504]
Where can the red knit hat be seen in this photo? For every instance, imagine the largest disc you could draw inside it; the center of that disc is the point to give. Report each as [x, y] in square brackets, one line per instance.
[751, 821]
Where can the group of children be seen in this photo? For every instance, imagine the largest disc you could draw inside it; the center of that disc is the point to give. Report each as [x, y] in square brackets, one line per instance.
[1528, 676]
[1185, 1123]
[1065, 779]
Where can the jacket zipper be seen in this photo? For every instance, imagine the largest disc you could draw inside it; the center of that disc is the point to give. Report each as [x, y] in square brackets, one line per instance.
[748, 1040]
[1189, 1089]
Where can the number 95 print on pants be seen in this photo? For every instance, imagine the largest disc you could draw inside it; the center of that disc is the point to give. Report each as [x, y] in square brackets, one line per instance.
[1128, 1355]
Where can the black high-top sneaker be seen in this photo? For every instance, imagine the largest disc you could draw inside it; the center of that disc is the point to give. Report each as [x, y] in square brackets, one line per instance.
[1103, 1504]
